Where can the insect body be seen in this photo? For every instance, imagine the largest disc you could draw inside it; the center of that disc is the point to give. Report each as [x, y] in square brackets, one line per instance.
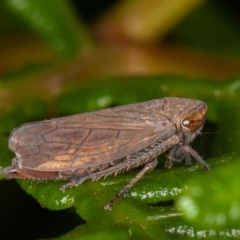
[101, 143]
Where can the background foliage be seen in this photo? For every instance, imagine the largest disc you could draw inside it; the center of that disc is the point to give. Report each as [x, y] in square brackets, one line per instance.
[66, 57]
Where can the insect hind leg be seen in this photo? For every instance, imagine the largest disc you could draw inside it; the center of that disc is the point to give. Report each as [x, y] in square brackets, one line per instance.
[147, 168]
[74, 182]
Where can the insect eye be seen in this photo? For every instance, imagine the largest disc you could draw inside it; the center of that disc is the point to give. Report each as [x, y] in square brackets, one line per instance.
[193, 121]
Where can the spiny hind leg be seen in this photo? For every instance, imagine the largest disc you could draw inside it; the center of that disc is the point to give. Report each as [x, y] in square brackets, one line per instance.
[74, 182]
[147, 168]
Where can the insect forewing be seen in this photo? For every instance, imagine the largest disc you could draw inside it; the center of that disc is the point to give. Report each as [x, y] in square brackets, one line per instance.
[90, 139]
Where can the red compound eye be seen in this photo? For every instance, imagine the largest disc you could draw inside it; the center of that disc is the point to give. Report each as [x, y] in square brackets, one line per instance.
[194, 120]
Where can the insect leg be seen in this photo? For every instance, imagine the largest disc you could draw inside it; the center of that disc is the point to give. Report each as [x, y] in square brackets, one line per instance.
[74, 182]
[170, 154]
[188, 159]
[189, 150]
[147, 168]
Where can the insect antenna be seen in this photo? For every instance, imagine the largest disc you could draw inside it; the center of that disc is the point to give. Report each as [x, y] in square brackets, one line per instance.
[203, 136]
[209, 132]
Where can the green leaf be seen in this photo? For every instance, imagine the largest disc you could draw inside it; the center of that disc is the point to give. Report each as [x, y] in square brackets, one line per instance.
[216, 204]
[147, 210]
